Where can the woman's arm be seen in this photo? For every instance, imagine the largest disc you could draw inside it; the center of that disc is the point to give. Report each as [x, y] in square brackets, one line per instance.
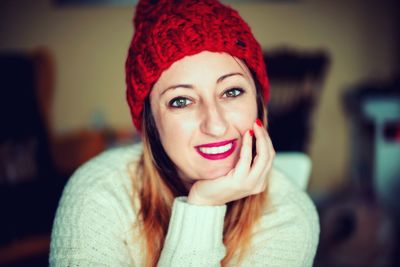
[194, 236]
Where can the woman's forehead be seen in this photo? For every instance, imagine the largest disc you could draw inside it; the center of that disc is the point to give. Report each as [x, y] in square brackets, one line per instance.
[204, 65]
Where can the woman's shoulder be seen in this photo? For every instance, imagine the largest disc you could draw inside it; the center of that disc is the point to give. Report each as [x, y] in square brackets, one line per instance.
[113, 166]
[289, 227]
[96, 208]
[282, 190]
[105, 180]
[115, 158]
[291, 203]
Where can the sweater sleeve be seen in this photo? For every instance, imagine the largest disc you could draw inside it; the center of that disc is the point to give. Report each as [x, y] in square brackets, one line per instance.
[194, 236]
[88, 229]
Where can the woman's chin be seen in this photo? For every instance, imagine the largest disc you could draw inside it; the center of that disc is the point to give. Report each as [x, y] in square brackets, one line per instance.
[214, 174]
[207, 172]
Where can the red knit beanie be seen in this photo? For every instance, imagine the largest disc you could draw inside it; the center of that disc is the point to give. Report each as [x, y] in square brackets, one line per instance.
[168, 30]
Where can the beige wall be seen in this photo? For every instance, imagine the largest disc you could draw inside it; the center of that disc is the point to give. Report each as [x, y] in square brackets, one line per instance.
[90, 45]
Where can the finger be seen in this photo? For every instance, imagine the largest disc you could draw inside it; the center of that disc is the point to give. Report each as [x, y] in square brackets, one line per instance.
[267, 176]
[263, 179]
[263, 182]
[262, 146]
[268, 168]
[243, 164]
[271, 148]
[269, 141]
[265, 153]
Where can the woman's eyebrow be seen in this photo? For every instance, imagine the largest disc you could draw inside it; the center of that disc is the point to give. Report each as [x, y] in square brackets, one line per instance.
[220, 79]
[188, 86]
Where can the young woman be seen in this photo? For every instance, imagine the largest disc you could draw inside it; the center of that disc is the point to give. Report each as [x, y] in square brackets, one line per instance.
[200, 189]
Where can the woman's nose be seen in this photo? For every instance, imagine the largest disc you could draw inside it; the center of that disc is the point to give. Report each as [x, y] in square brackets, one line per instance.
[214, 121]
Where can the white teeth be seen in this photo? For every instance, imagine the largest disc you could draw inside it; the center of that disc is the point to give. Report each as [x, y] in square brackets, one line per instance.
[216, 149]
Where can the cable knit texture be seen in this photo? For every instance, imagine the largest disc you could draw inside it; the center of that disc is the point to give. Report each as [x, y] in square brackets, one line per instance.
[96, 223]
[168, 30]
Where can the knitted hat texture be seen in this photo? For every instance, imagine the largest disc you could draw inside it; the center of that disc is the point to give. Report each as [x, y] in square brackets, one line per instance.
[168, 30]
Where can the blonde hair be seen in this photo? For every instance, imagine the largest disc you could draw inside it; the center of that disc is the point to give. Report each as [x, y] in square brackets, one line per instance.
[159, 185]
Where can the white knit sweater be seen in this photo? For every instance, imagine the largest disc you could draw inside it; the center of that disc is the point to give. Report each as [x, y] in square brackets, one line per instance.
[95, 223]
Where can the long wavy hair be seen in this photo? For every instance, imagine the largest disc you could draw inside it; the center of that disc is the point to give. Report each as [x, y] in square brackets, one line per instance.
[160, 184]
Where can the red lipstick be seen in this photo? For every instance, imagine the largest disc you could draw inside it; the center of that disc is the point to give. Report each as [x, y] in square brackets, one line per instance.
[206, 151]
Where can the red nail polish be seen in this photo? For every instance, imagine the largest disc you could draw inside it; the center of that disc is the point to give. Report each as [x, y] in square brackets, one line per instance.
[251, 132]
[258, 121]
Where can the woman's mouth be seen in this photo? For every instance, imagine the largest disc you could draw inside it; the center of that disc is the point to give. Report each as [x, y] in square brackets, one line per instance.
[216, 151]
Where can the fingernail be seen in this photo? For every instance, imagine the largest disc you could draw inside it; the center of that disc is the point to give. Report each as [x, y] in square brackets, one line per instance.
[258, 121]
[251, 132]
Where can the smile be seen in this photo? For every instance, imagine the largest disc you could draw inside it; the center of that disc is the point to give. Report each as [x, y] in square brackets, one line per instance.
[216, 151]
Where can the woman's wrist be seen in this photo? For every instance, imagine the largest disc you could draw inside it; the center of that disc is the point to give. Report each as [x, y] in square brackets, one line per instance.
[194, 199]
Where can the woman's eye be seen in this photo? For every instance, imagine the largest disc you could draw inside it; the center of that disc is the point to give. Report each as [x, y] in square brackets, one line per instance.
[234, 92]
[179, 102]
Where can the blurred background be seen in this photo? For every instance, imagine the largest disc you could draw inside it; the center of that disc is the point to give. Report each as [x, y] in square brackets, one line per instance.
[334, 68]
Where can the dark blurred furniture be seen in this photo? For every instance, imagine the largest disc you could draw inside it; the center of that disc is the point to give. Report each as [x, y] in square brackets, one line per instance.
[30, 185]
[355, 232]
[35, 162]
[373, 112]
[360, 223]
[296, 79]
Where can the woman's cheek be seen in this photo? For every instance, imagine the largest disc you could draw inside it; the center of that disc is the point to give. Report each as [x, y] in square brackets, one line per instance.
[178, 127]
[243, 118]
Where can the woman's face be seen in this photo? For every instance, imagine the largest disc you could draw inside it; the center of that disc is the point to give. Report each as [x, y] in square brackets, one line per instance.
[202, 105]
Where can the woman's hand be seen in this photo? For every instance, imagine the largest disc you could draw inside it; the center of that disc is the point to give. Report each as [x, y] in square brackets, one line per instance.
[244, 179]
